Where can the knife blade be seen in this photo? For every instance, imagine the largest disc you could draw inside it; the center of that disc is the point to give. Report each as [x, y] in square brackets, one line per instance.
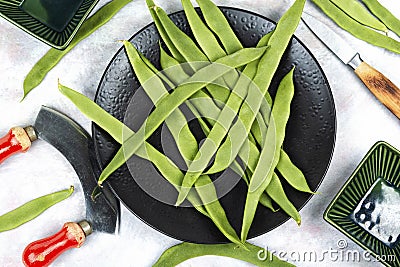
[379, 85]
[102, 214]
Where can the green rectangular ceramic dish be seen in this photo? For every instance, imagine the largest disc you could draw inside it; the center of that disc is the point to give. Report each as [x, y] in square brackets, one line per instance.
[53, 22]
[367, 208]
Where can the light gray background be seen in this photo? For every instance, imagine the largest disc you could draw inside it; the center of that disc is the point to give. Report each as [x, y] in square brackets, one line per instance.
[361, 121]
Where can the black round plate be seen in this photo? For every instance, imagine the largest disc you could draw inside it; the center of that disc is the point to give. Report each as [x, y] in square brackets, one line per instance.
[309, 141]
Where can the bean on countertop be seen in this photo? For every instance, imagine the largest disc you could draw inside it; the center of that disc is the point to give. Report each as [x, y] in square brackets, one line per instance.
[32, 209]
[251, 254]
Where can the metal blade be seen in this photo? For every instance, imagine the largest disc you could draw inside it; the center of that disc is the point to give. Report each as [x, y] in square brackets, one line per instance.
[333, 41]
[76, 145]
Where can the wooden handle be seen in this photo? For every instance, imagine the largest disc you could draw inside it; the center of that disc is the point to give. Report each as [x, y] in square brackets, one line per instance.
[381, 87]
[43, 252]
[16, 140]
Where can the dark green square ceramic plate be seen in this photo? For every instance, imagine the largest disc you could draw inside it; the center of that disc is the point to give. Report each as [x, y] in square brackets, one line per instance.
[53, 22]
[367, 208]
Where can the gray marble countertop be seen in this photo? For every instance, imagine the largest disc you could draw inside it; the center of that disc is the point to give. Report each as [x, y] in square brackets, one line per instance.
[361, 121]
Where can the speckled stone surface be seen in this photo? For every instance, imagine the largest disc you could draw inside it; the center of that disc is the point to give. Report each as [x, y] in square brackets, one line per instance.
[361, 121]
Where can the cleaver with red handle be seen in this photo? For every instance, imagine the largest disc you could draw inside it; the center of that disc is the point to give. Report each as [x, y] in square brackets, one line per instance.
[68, 137]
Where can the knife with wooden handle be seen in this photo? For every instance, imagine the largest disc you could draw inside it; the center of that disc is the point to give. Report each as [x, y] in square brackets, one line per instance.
[383, 89]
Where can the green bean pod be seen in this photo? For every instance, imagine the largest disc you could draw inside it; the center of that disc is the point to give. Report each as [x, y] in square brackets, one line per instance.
[292, 174]
[209, 196]
[173, 71]
[217, 22]
[164, 108]
[384, 15]
[358, 12]
[355, 28]
[163, 34]
[53, 56]
[275, 191]
[251, 254]
[32, 209]
[204, 37]
[207, 40]
[270, 152]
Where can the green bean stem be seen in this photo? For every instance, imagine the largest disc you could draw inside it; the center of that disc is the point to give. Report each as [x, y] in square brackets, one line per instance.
[355, 28]
[384, 15]
[252, 254]
[53, 56]
[358, 12]
[32, 209]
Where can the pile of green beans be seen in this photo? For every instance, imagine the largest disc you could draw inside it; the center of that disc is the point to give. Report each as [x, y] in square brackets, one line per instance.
[244, 116]
[32, 209]
[353, 17]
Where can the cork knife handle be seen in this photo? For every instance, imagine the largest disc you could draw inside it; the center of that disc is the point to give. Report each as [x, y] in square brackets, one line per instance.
[18, 139]
[381, 87]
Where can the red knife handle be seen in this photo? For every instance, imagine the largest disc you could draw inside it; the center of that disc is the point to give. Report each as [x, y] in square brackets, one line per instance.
[43, 252]
[18, 139]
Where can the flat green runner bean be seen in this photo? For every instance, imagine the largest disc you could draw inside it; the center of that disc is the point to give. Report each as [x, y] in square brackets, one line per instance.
[53, 56]
[196, 82]
[32, 209]
[204, 37]
[270, 152]
[207, 40]
[275, 191]
[163, 33]
[288, 170]
[357, 29]
[358, 12]
[219, 25]
[252, 254]
[292, 174]
[384, 15]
